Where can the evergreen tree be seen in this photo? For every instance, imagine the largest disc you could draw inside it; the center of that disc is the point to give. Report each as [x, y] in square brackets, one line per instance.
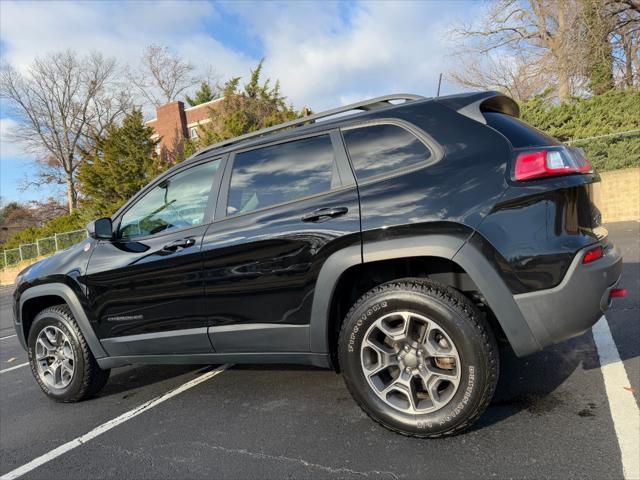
[245, 109]
[599, 54]
[120, 163]
[204, 94]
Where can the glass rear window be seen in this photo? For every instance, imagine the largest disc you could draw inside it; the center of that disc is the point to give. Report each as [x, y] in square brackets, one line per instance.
[381, 149]
[517, 132]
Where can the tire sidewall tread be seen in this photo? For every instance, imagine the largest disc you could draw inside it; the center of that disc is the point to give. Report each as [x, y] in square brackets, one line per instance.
[88, 377]
[471, 334]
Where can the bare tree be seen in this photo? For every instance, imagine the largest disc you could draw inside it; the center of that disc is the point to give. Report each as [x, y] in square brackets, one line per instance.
[57, 101]
[542, 31]
[625, 38]
[47, 210]
[163, 76]
[110, 106]
[510, 74]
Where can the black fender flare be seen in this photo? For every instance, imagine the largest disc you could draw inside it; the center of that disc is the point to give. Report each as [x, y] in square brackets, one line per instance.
[71, 299]
[451, 247]
[499, 298]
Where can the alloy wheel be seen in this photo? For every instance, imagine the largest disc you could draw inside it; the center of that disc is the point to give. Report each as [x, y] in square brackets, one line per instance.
[410, 362]
[55, 359]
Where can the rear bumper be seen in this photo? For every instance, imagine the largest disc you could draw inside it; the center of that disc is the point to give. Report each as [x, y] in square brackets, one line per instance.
[573, 306]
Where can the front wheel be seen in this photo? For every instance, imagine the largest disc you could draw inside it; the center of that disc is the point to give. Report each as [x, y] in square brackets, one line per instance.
[418, 358]
[60, 359]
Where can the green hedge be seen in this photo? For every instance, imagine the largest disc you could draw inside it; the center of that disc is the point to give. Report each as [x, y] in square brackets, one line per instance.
[612, 153]
[66, 223]
[610, 113]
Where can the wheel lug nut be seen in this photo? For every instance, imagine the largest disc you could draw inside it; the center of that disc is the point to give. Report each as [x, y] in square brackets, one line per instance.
[407, 348]
[407, 370]
[419, 353]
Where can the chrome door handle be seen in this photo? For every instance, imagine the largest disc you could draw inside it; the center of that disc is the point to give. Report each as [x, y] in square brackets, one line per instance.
[323, 214]
[182, 243]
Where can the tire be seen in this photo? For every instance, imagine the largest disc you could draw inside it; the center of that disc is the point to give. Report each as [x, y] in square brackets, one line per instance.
[81, 376]
[437, 358]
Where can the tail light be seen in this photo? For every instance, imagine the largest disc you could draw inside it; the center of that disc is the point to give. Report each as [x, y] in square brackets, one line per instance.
[550, 162]
[618, 293]
[592, 255]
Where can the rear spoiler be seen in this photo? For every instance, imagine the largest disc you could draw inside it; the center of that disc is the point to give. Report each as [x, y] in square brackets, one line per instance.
[473, 104]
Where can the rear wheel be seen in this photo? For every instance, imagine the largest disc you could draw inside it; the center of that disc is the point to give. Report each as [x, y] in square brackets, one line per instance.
[60, 359]
[418, 358]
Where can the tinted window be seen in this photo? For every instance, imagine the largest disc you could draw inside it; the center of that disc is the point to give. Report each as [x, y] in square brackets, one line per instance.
[178, 202]
[517, 132]
[280, 173]
[380, 149]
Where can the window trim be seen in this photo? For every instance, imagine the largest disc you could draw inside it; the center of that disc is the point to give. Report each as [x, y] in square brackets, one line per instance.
[437, 152]
[209, 209]
[345, 177]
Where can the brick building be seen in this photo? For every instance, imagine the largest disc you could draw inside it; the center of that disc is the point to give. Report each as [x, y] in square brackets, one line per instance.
[174, 123]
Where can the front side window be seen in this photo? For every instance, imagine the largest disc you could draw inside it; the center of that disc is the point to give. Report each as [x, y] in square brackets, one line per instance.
[280, 173]
[380, 149]
[177, 202]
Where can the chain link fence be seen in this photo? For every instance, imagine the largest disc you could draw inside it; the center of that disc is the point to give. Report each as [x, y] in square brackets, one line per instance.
[628, 133]
[41, 248]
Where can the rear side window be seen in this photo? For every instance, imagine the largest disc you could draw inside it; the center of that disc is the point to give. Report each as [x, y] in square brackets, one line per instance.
[381, 149]
[517, 132]
[280, 173]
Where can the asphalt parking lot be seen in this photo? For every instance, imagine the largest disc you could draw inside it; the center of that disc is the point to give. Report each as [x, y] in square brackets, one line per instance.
[551, 417]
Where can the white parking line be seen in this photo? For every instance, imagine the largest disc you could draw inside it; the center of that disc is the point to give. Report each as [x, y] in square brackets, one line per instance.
[8, 336]
[624, 409]
[14, 367]
[56, 452]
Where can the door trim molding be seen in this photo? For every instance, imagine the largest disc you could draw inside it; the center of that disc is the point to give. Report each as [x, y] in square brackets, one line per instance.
[260, 337]
[301, 358]
[186, 341]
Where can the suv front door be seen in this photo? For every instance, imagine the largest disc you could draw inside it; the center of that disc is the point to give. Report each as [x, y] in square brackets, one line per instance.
[145, 287]
[283, 209]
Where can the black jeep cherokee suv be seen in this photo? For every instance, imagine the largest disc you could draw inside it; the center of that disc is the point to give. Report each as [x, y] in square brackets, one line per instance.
[394, 244]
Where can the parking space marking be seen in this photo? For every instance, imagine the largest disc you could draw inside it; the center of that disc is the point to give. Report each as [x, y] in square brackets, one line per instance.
[624, 409]
[14, 367]
[99, 430]
[8, 336]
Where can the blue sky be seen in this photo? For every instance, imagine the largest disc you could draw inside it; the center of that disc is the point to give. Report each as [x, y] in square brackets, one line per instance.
[324, 53]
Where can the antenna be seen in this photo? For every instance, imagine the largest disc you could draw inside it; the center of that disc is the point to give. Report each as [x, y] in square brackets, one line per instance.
[439, 83]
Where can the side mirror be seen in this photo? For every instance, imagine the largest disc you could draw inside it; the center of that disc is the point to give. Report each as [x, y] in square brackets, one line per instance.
[101, 229]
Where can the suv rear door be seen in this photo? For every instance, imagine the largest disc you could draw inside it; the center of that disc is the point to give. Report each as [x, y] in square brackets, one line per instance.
[283, 209]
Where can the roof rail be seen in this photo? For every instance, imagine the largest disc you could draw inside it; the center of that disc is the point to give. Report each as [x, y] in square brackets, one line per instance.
[365, 105]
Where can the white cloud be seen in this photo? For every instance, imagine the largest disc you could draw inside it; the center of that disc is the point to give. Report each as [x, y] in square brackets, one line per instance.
[117, 29]
[8, 149]
[323, 58]
[323, 53]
